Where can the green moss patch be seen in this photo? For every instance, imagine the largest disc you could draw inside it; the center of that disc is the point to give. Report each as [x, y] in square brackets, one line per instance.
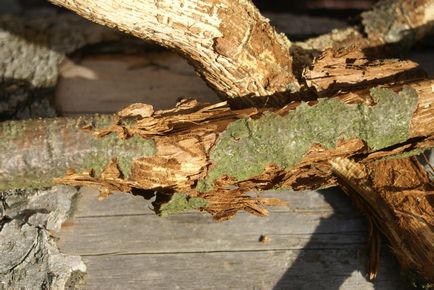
[181, 202]
[63, 145]
[247, 145]
[125, 151]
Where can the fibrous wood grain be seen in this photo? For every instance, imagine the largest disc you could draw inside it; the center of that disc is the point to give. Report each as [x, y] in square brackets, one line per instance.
[388, 29]
[196, 152]
[199, 150]
[397, 196]
[389, 22]
[232, 46]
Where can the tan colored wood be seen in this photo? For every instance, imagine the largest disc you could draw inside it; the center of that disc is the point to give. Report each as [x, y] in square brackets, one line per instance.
[232, 46]
[397, 197]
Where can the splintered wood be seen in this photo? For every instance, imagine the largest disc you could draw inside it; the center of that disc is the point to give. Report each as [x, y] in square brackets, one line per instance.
[232, 46]
[349, 67]
[397, 197]
[188, 137]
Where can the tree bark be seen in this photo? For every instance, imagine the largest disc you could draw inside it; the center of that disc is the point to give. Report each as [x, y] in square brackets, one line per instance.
[230, 44]
[238, 52]
[30, 222]
[208, 157]
[397, 197]
[201, 150]
[389, 22]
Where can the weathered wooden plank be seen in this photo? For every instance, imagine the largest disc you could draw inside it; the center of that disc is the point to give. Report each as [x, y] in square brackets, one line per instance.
[315, 244]
[126, 225]
[106, 84]
[197, 232]
[324, 201]
[316, 269]
[116, 204]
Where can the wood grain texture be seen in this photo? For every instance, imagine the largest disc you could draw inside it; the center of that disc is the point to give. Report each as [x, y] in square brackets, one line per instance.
[234, 270]
[231, 45]
[317, 242]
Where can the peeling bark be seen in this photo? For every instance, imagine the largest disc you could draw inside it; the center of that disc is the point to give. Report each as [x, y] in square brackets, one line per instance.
[231, 45]
[208, 157]
[200, 150]
[348, 68]
[397, 197]
[390, 27]
[398, 22]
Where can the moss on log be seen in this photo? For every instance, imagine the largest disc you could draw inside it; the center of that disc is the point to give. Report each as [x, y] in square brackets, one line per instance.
[201, 149]
[247, 146]
[34, 152]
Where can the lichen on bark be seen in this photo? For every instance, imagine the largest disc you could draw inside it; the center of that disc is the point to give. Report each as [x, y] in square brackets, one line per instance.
[125, 152]
[180, 202]
[29, 222]
[61, 145]
[248, 146]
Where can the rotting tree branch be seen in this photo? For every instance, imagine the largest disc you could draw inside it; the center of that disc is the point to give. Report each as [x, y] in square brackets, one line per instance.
[235, 49]
[200, 150]
[397, 197]
[388, 23]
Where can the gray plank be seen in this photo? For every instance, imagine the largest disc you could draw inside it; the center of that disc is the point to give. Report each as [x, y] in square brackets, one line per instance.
[108, 83]
[315, 244]
[195, 232]
[317, 269]
[326, 201]
[116, 204]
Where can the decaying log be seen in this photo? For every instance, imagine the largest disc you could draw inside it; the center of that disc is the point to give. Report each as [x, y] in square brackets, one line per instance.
[208, 156]
[200, 150]
[344, 69]
[26, 88]
[389, 28]
[236, 50]
[389, 22]
[397, 197]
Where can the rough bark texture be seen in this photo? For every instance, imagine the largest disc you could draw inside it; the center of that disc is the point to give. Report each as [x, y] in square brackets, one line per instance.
[231, 45]
[200, 150]
[30, 220]
[398, 22]
[390, 27]
[31, 49]
[35, 150]
[209, 157]
[397, 197]
[26, 88]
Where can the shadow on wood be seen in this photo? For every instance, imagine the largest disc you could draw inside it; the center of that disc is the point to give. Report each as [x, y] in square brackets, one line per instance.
[314, 243]
[310, 270]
